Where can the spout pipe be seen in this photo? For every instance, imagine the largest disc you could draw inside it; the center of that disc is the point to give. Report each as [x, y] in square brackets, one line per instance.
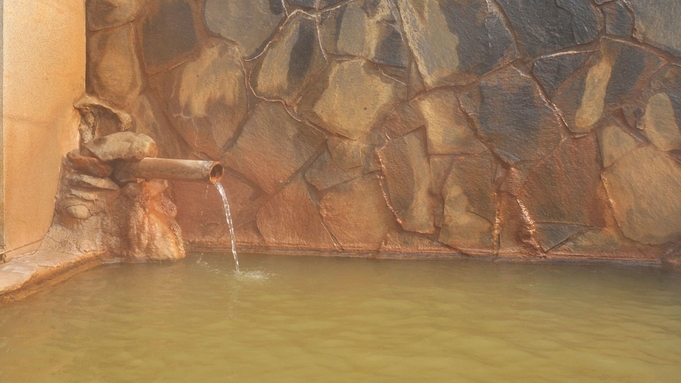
[171, 169]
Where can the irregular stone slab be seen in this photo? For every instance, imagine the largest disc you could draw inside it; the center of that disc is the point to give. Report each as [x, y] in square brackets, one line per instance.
[617, 73]
[407, 182]
[366, 28]
[447, 128]
[550, 235]
[103, 14]
[411, 245]
[547, 26]
[511, 117]
[618, 19]
[661, 123]
[405, 118]
[291, 220]
[455, 43]
[89, 165]
[325, 172]
[320, 4]
[440, 166]
[658, 24]
[206, 98]
[83, 180]
[356, 214]
[150, 119]
[570, 177]
[272, 147]
[352, 99]
[470, 204]
[114, 72]
[644, 187]
[250, 23]
[291, 62]
[126, 146]
[168, 34]
[516, 231]
[553, 70]
[614, 143]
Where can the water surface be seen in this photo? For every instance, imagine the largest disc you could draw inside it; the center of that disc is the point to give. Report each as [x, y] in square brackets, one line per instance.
[298, 319]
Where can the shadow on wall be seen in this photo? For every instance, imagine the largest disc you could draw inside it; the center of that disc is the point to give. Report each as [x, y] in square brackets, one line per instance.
[510, 128]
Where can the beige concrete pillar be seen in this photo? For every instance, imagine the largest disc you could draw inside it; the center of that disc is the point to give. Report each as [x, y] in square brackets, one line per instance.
[43, 71]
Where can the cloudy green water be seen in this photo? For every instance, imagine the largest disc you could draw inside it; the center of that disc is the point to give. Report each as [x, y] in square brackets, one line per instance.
[297, 319]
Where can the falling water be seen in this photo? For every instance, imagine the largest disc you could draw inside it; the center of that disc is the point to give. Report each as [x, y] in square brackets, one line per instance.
[228, 216]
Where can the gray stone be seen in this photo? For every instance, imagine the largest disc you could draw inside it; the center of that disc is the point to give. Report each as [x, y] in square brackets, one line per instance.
[544, 27]
[407, 182]
[658, 23]
[168, 34]
[644, 187]
[511, 117]
[272, 147]
[102, 14]
[291, 62]
[551, 71]
[352, 100]
[250, 23]
[114, 72]
[618, 19]
[206, 98]
[455, 42]
[126, 146]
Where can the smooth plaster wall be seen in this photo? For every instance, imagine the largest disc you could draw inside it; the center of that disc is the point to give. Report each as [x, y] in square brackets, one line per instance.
[43, 74]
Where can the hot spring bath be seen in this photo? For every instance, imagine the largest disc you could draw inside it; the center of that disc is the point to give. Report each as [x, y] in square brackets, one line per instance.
[300, 319]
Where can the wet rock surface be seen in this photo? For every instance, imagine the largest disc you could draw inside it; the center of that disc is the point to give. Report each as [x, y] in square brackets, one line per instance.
[168, 34]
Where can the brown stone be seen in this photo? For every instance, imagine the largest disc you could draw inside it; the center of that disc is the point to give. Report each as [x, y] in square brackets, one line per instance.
[455, 42]
[126, 146]
[658, 24]
[291, 62]
[440, 166]
[250, 23]
[291, 220]
[644, 188]
[660, 122]
[272, 147]
[401, 242]
[470, 204]
[325, 172]
[206, 98]
[168, 34]
[614, 143]
[550, 235]
[616, 74]
[407, 182]
[567, 179]
[357, 215]
[352, 99]
[114, 72]
[149, 119]
[89, 165]
[102, 14]
[404, 119]
[90, 182]
[511, 117]
[516, 230]
[447, 127]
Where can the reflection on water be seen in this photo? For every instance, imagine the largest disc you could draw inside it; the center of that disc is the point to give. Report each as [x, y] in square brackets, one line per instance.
[291, 319]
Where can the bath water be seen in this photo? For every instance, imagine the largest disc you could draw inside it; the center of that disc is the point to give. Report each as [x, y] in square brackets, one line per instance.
[303, 319]
[228, 217]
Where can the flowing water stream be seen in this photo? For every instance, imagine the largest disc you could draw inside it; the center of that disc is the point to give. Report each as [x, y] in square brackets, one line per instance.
[228, 217]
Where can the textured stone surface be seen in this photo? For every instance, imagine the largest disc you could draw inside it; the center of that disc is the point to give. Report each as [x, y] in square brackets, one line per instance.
[553, 70]
[511, 116]
[351, 86]
[619, 21]
[168, 34]
[290, 219]
[644, 187]
[126, 146]
[614, 143]
[614, 75]
[547, 26]
[550, 235]
[357, 215]
[291, 62]
[250, 23]
[150, 119]
[661, 122]
[114, 72]
[412, 244]
[89, 165]
[368, 29]
[206, 98]
[103, 14]
[272, 147]
[567, 179]
[407, 182]
[447, 127]
[342, 162]
[90, 182]
[470, 204]
[658, 24]
[403, 119]
[454, 41]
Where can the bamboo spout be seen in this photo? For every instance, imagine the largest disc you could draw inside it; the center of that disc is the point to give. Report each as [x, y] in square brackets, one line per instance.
[166, 168]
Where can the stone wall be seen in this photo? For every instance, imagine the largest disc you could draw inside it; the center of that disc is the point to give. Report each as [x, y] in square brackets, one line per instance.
[527, 128]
